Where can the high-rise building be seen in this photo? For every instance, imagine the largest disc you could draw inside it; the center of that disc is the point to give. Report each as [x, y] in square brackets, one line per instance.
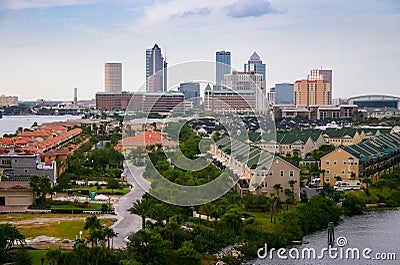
[223, 67]
[240, 92]
[284, 93]
[315, 90]
[113, 77]
[191, 90]
[75, 97]
[255, 64]
[6, 101]
[156, 70]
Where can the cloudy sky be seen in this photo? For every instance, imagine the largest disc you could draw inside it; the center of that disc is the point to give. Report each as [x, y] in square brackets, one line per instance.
[48, 47]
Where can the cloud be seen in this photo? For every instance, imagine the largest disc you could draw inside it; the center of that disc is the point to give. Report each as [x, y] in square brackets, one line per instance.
[204, 11]
[25, 4]
[251, 8]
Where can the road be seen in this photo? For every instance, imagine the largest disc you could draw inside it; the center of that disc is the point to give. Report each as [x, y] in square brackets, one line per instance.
[127, 222]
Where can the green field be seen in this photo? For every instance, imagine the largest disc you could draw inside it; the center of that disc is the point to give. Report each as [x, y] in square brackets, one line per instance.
[66, 229]
[103, 190]
[90, 207]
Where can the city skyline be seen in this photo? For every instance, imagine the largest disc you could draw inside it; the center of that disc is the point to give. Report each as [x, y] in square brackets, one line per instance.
[51, 47]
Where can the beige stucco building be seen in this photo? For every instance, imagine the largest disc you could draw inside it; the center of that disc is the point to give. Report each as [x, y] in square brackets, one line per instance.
[15, 193]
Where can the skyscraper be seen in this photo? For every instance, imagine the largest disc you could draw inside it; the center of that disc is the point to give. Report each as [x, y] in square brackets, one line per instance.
[255, 64]
[113, 77]
[223, 67]
[191, 90]
[156, 70]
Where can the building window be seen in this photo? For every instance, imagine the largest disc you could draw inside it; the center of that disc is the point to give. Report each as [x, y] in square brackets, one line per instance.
[282, 173]
[327, 170]
[327, 162]
[271, 172]
[291, 173]
[345, 162]
[343, 171]
[327, 179]
[334, 162]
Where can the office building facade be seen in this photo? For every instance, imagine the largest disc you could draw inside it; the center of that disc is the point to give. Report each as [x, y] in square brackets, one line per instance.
[7, 101]
[284, 93]
[223, 67]
[255, 64]
[156, 70]
[113, 77]
[191, 90]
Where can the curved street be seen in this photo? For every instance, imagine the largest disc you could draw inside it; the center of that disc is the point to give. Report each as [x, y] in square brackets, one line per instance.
[127, 222]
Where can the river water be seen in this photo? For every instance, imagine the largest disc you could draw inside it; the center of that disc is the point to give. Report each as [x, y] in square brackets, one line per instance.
[9, 124]
[378, 230]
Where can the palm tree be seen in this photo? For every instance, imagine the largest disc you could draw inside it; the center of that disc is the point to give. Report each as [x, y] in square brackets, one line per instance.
[291, 183]
[92, 222]
[277, 187]
[95, 236]
[143, 209]
[109, 233]
[161, 212]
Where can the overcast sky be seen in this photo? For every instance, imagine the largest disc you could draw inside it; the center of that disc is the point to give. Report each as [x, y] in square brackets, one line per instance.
[48, 47]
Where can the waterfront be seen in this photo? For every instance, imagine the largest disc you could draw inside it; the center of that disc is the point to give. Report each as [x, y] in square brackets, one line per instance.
[377, 230]
[9, 124]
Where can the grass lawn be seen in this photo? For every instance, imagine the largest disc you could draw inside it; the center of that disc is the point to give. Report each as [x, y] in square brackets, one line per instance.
[36, 255]
[15, 217]
[263, 219]
[91, 207]
[67, 229]
[103, 190]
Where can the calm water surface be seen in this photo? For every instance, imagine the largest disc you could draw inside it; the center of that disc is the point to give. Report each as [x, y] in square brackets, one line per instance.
[9, 124]
[378, 230]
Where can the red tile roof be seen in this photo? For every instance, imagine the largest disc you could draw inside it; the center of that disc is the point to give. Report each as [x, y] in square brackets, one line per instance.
[15, 185]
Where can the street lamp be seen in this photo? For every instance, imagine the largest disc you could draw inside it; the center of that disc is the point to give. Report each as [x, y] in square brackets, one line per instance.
[80, 235]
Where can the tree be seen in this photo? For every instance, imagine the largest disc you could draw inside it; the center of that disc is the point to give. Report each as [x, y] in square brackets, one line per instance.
[52, 256]
[143, 209]
[92, 222]
[41, 186]
[9, 234]
[22, 257]
[113, 184]
[277, 187]
[291, 184]
[367, 181]
[109, 234]
[188, 254]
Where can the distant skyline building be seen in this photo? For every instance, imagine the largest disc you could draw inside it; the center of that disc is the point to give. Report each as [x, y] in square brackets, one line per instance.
[284, 93]
[255, 64]
[191, 90]
[223, 67]
[315, 90]
[156, 70]
[113, 77]
[6, 101]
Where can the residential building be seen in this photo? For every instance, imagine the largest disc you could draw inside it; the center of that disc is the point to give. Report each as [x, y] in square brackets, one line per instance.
[223, 67]
[259, 172]
[191, 90]
[113, 77]
[315, 90]
[7, 101]
[368, 159]
[284, 93]
[156, 70]
[16, 193]
[25, 165]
